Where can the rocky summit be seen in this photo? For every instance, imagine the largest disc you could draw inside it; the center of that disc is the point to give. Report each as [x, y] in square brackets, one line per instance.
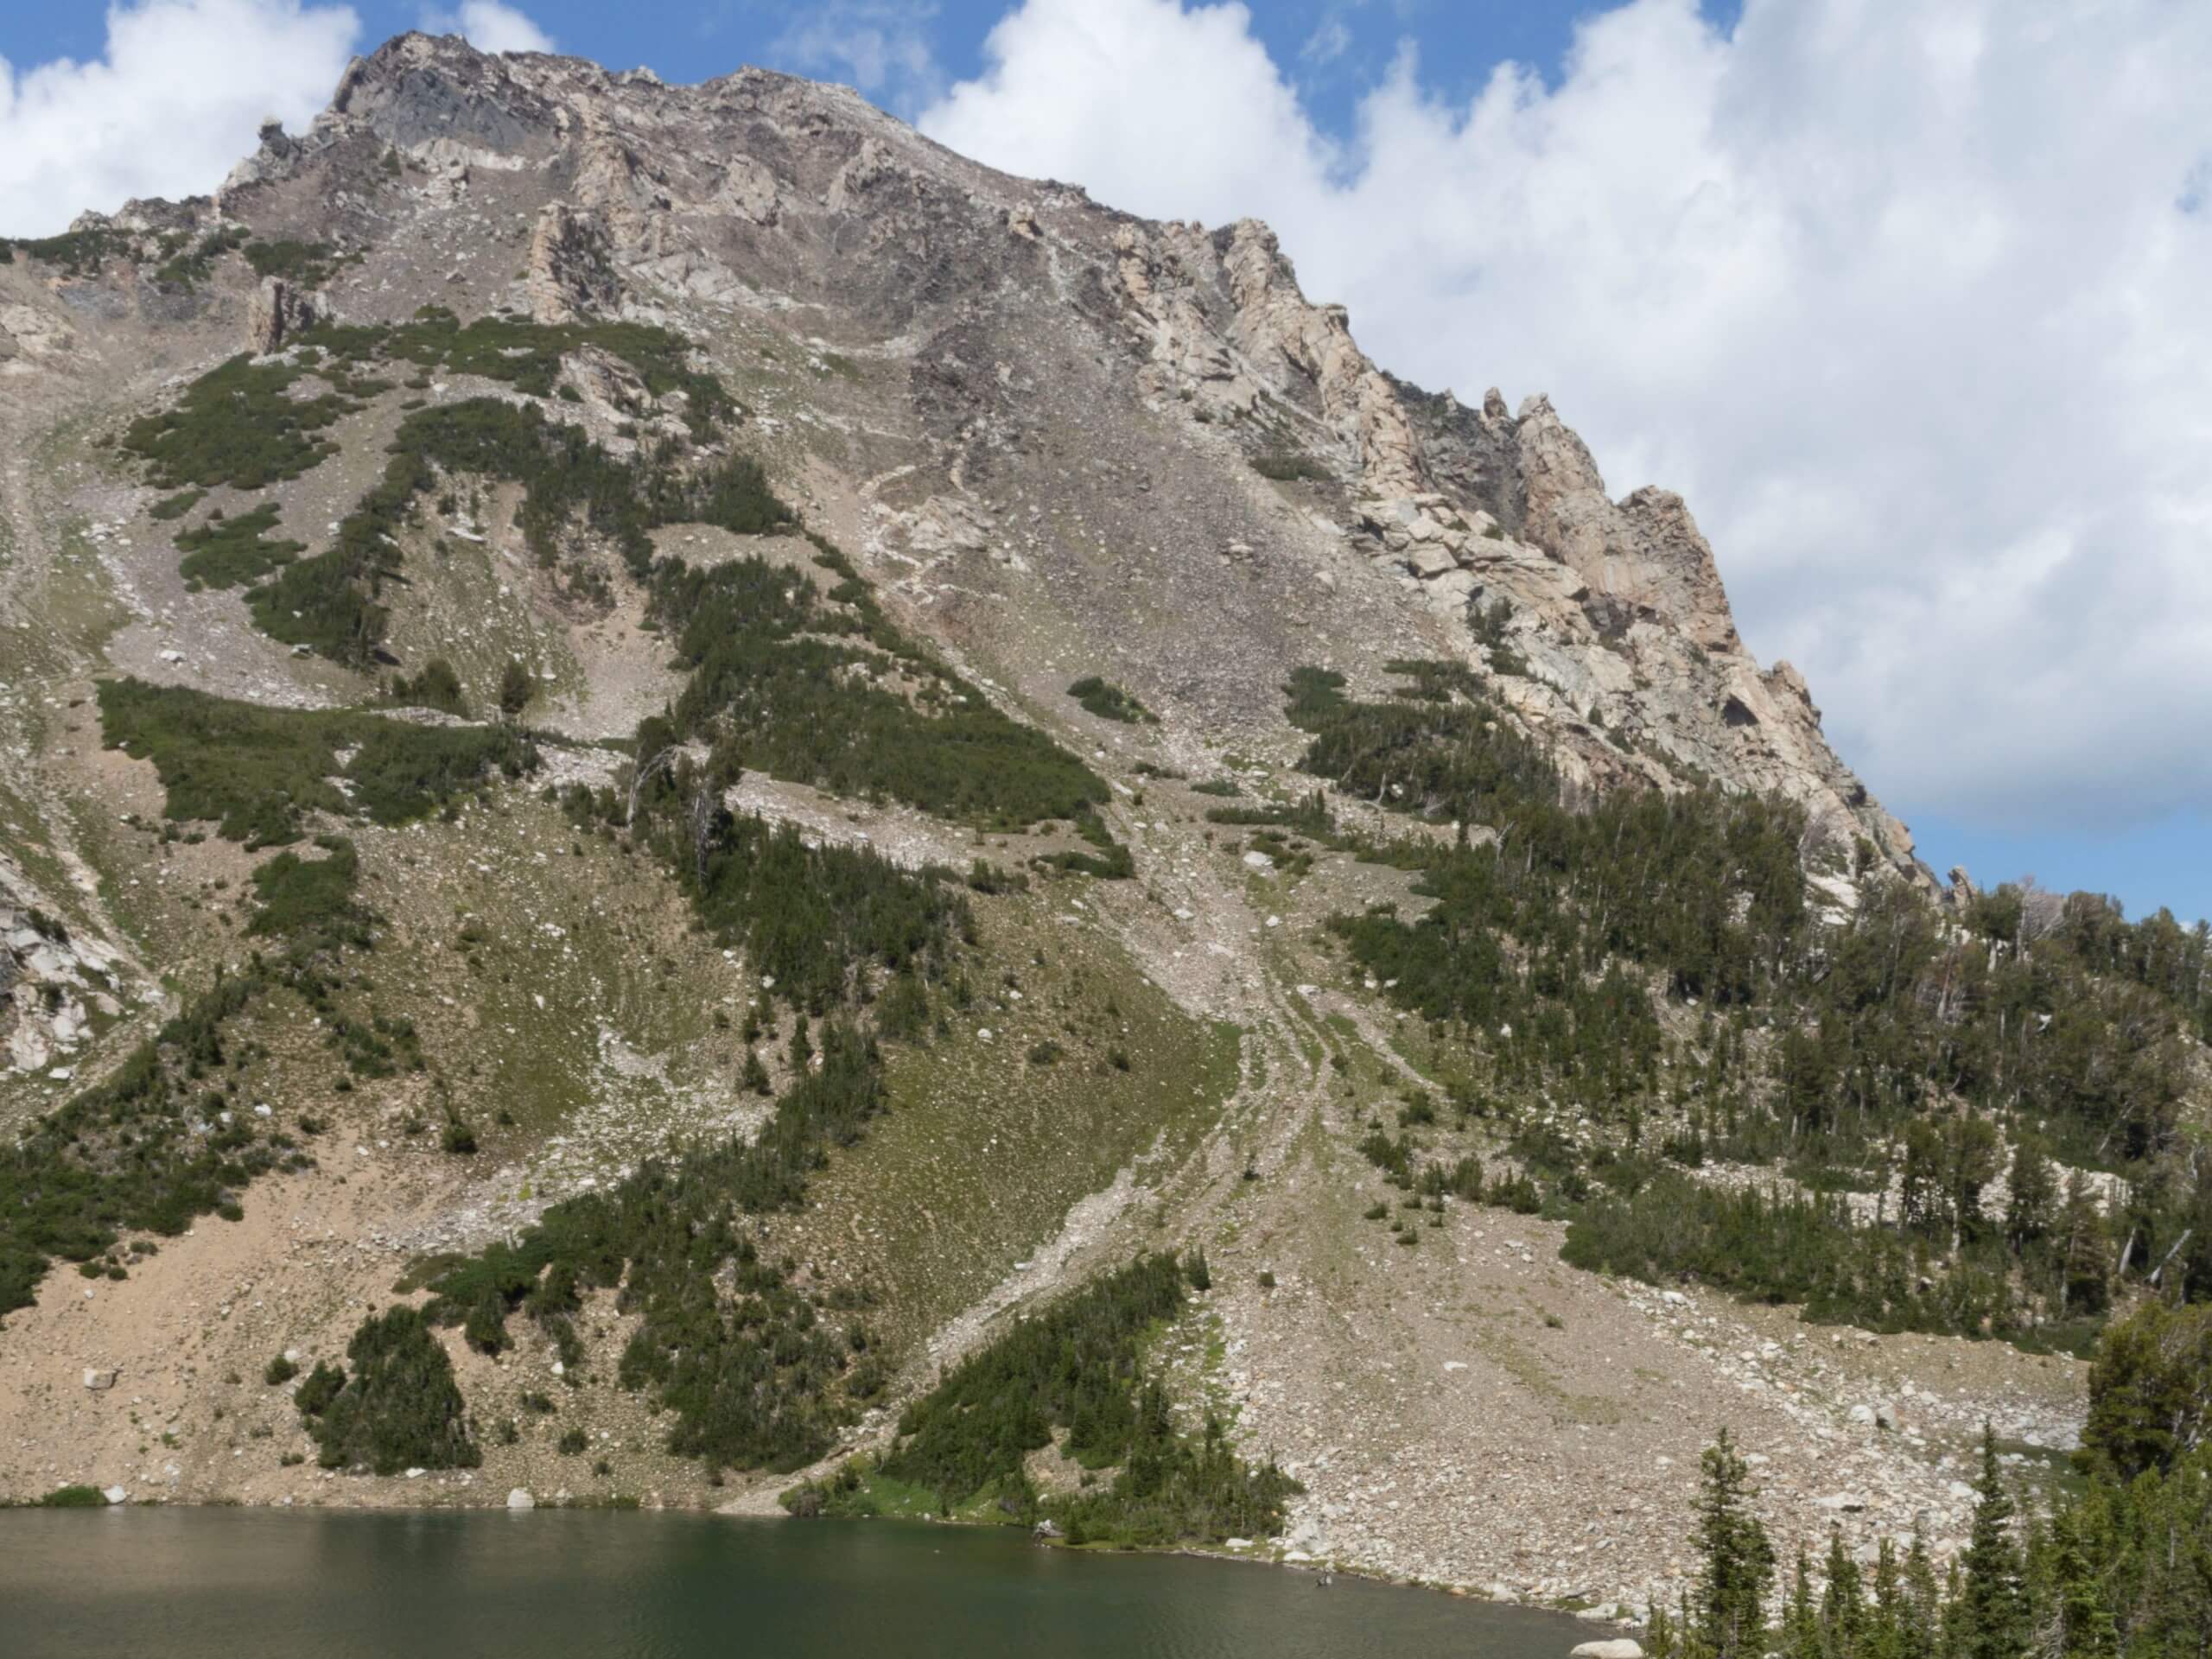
[699, 805]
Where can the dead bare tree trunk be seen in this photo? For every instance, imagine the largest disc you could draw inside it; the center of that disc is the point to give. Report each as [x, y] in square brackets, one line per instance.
[702, 829]
[660, 762]
[2166, 1260]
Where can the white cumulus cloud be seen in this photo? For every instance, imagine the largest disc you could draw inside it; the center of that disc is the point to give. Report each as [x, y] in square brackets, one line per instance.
[167, 108]
[881, 47]
[1908, 300]
[1327, 43]
[487, 25]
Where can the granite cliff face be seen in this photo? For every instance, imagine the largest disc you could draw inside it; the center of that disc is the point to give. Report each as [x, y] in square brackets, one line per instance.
[1034, 323]
[1056, 440]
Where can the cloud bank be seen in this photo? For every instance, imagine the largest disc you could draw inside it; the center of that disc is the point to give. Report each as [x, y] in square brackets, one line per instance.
[488, 26]
[180, 94]
[1907, 300]
[881, 47]
[168, 110]
[1910, 302]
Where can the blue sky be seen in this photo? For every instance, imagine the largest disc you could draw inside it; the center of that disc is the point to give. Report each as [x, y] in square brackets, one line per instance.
[695, 40]
[1780, 255]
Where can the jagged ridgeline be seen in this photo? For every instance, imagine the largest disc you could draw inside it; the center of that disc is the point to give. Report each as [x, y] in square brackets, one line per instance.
[1641, 984]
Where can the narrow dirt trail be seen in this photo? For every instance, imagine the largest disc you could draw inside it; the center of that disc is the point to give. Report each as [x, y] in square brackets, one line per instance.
[1469, 1411]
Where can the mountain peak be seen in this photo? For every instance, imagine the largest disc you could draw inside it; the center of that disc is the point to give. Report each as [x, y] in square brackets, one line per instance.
[633, 198]
[729, 745]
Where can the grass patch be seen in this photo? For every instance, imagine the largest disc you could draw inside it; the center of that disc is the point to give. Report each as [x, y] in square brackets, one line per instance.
[1286, 465]
[752, 1367]
[74, 253]
[190, 263]
[74, 1497]
[527, 355]
[821, 689]
[160, 1141]
[329, 602]
[304, 264]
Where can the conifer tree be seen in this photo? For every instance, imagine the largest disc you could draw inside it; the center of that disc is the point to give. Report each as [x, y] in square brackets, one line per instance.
[1991, 1608]
[2084, 1244]
[1801, 1624]
[1843, 1607]
[1737, 1561]
[1883, 1636]
[516, 689]
[1921, 1633]
[2031, 1201]
[2083, 1623]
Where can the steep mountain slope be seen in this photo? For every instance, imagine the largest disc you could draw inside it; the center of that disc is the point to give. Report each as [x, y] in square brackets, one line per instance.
[644, 579]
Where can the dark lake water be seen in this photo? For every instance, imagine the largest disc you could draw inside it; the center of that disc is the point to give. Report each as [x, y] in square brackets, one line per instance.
[241, 1584]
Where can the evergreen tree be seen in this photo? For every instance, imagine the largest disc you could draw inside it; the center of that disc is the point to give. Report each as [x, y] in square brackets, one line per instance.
[516, 689]
[400, 1407]
[1883, 1636]
[1990, 1606]
[1969, 1162]
[2150, 1391]
[2031, 1200]
[2085, 1246]
[2083, 1623]
[1920, 1191]
[1951, 1626]
[1843, 1606]
[1921, 1633]
[1801, 1626]
[1737, 1561]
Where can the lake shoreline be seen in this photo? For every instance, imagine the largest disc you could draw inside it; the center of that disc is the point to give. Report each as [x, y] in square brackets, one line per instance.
[1323, 1570]
[214, 1582]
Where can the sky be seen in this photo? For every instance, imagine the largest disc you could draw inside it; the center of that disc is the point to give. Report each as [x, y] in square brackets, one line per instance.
[1906, 297]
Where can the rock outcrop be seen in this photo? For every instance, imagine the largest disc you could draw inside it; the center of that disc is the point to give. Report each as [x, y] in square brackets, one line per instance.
[56, 983]
[569, 272]
[1602, 621]
[280, 309]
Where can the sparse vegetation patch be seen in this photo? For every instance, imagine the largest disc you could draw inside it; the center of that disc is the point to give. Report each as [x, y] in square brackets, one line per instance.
[399, 1409]
[234, 552]
[1109, 702]
[1073, 1377]
[254, 771]
[238, 424]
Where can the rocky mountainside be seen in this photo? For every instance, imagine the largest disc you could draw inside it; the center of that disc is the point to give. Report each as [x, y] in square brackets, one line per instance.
[440, 572]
